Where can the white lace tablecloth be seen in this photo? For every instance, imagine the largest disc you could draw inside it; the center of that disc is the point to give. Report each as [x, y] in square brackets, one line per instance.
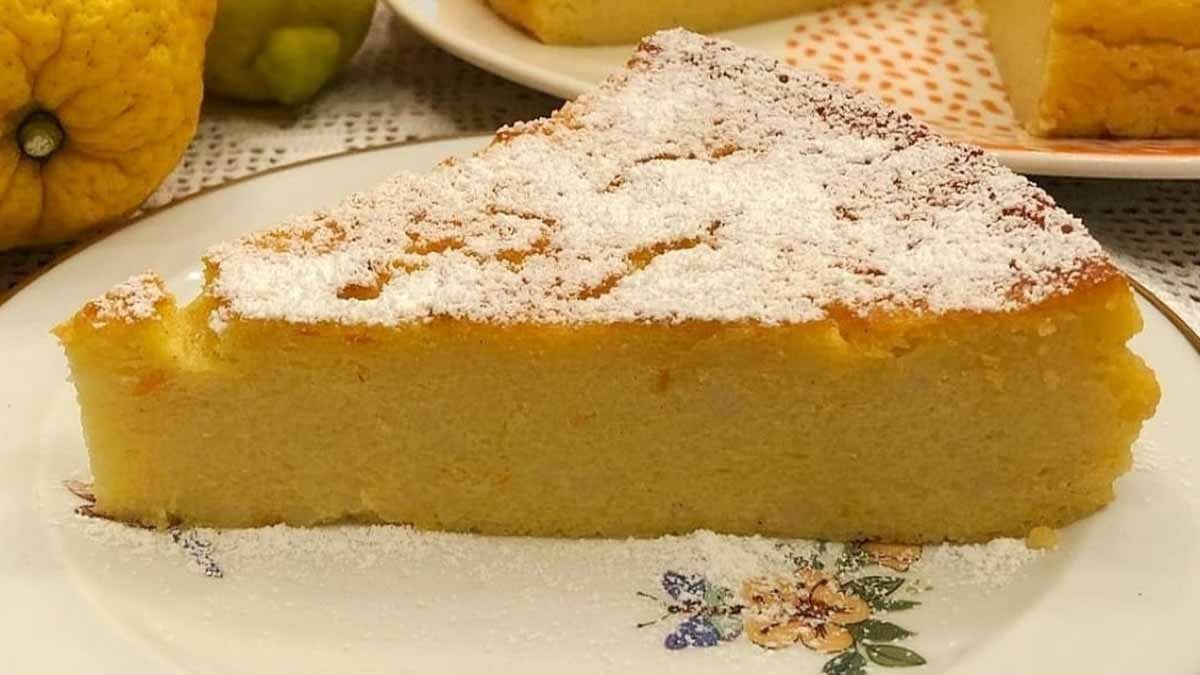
[401, 88]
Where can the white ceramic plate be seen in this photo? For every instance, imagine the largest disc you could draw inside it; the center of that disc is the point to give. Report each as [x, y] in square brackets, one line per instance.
[929, 57]
[83, 595]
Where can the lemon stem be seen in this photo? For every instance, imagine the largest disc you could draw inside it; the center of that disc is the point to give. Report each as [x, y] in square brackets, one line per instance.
[40, 135]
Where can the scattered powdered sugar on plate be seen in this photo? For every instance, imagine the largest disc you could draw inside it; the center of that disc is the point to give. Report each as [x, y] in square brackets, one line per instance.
[725, 559]
[390, 589]
[304, 552]
[133, 541]
[991, 565]
[1148, 456]
[281, 551]
[705, 182]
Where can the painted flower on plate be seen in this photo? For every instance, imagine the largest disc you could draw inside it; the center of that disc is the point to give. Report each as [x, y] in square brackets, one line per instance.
[811, 608]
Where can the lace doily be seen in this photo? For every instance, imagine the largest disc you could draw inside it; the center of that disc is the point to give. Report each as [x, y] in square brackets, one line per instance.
[1152, 228]
[401, 88]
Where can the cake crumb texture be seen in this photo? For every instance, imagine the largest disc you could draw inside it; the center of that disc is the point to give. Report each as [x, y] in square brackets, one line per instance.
[1041, 537]
[1097, 68]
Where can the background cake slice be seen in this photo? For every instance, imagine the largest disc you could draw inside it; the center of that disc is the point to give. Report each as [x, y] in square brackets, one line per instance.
[1100, 67]
[608, 22]
[716, 293]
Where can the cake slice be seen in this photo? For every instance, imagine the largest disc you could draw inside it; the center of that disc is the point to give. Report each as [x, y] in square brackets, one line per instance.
[1100, 67]
[715, 293]
[609, 22]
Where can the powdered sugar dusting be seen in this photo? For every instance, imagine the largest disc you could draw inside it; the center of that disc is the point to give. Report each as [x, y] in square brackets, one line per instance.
[303, 553]
[704, 182]
[990, 565]
[391, 591]
[296, 552]
[132, 300]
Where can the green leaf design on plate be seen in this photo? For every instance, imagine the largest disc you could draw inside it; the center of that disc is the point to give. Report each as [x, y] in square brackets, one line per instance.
[890, 605]
[812, 561]
[853, 558]
[893, 656]
[846, 663]
[874, 588]
[873, 630]
[728, 627]
[716, 596]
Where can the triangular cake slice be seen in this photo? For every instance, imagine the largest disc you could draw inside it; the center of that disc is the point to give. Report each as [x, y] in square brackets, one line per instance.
[715, 293]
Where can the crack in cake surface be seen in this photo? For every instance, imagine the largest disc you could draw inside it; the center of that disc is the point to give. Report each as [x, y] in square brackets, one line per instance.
[603, 212]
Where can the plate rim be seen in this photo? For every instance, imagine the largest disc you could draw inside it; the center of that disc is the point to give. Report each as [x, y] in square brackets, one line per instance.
[1190, 334]
[492, 60]
[546, 80]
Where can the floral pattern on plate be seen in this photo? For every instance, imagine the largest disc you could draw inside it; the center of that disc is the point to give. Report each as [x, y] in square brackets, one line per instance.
[828, 604]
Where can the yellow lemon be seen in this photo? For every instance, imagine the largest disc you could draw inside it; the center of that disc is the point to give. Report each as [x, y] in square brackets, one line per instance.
[98, 99]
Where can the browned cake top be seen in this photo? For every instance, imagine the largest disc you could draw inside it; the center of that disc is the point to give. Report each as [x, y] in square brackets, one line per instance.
[705, 182]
